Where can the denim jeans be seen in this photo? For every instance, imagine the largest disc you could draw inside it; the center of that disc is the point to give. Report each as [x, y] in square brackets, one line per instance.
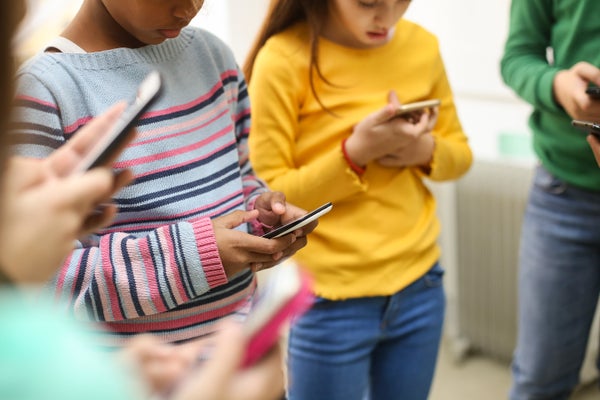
[378, 348]
[559, 284]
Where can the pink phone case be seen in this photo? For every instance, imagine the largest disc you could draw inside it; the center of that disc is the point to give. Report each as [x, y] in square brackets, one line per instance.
[268, 334]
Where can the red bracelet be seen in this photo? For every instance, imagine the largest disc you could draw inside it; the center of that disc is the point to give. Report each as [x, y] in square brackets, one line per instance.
[356, 168]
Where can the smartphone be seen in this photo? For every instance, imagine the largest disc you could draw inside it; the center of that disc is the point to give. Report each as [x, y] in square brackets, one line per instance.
[587, 126]
[593, 91]
[147, 92]
[286, 294]
[298, 223]
[408, 108]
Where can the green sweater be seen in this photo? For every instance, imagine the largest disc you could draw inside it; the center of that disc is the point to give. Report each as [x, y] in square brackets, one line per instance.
[45, 355]
[570, 29]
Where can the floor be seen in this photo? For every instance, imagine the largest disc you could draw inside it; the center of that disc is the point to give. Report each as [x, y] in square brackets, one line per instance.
[479, 378]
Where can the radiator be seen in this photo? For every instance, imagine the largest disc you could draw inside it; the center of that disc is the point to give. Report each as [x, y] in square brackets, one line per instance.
[481, 217]
[490, 202]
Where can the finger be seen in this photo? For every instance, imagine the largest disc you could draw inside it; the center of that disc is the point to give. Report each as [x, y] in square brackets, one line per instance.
[99, 218]
[236, 218]
[422, 125]
[278, 203]
[387, 161]
[393, 98]
[595, 145]
[92, 187]
[588, 72]
[122, 178]
[65, 159]
[28, 171]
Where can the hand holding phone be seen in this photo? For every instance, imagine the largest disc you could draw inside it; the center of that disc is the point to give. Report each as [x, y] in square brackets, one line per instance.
[298, 223]
[110, 143]
[587, 126]
[286, 294]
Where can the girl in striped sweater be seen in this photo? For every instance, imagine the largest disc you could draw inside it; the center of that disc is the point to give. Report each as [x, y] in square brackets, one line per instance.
[182, 251]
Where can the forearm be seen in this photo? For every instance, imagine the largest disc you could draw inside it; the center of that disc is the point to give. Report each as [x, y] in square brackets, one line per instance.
[123, 277]
[326, 178]
[451, 159]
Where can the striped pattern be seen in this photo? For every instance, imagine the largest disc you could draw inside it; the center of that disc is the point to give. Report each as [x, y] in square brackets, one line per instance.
[157, 268]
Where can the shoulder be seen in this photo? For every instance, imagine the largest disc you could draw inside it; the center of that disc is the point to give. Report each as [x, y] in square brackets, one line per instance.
[291, 42]
[42, 75]
[207, 41]
[415, 32]
[287, 51]
[40, 64]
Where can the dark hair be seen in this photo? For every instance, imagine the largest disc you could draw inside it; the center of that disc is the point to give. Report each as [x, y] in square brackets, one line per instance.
[11, 13]
[281, 15]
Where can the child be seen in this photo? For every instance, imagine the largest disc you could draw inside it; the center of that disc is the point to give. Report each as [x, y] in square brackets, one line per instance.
[177, 257]
[319, 75]
[39, 197]
[559, 273]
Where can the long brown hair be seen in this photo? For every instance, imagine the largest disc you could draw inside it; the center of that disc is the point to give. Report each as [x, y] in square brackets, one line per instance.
[281, 15]
[11, 13]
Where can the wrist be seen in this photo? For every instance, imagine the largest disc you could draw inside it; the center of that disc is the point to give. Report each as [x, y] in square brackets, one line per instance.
[355, 166]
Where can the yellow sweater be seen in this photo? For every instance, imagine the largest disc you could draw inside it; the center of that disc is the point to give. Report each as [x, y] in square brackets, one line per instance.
[382, 232]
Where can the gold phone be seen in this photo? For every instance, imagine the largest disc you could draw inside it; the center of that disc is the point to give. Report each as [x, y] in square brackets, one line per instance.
[408, 108]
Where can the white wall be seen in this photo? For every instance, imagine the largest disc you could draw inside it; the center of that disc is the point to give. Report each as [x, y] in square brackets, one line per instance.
[471, 34]
[235, 21]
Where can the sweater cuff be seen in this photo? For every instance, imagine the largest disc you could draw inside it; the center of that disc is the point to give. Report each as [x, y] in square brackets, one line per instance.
[545, 90]
[209, 252]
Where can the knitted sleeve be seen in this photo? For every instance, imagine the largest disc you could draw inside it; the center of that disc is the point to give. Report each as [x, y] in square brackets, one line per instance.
[116, 275]
[524, 65]
[253, 186]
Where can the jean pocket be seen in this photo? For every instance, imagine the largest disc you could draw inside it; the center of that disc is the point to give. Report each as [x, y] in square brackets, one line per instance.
[547, 182]
[434, 277]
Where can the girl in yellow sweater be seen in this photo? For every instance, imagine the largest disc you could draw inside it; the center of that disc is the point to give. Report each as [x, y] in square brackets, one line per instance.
[324, 79]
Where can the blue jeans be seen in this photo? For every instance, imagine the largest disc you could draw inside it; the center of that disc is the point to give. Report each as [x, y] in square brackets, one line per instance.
[559, 284]
[378, 348]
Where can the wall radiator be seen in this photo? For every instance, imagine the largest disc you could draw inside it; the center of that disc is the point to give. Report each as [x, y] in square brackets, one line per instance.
[481, 217]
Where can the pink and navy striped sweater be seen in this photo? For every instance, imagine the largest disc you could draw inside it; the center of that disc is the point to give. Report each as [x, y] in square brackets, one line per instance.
[157, 268]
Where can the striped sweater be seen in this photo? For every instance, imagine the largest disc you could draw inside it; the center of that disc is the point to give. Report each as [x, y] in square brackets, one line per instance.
[157, 267]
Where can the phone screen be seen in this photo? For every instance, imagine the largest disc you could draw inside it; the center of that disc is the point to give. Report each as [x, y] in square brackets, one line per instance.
[147, 92]
[298, 223]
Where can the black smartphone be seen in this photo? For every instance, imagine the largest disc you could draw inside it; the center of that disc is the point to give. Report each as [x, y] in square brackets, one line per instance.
[147, 92]
[593, 91]
[298, 223]
[587, 126]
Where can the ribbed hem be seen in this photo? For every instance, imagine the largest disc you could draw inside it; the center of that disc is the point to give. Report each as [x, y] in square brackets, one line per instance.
[544, 91]
[209, 252]
[122, 57]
